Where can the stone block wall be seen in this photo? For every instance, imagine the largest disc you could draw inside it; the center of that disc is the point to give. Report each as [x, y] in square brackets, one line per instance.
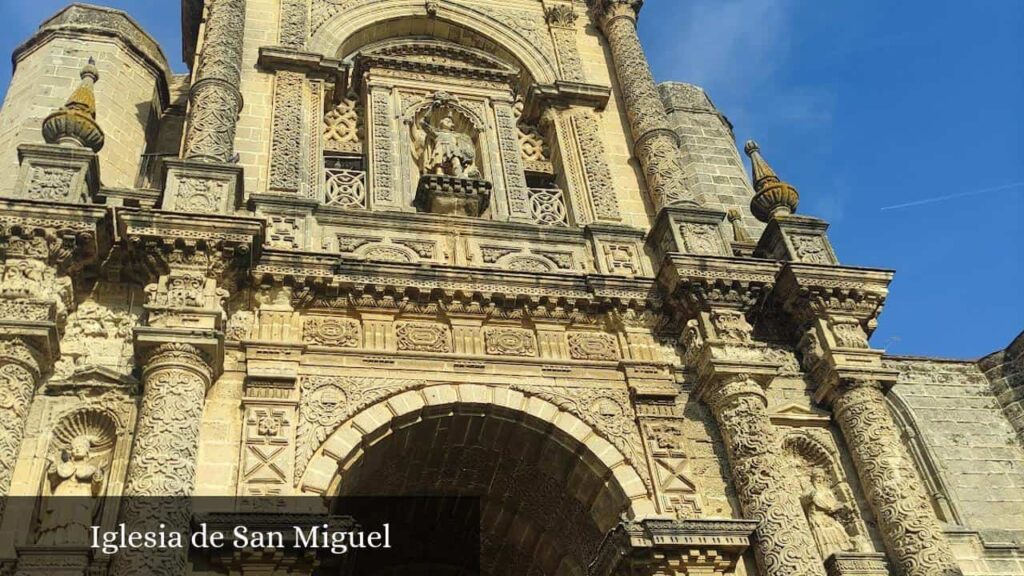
[975, 446]
[713, 165]
[130, 96]
[1005, 369]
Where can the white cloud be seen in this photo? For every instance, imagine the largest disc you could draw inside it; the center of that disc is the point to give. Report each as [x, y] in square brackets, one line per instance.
[731, 45]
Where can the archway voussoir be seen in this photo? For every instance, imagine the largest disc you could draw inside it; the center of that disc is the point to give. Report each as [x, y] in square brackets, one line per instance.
[319, 474]
[406, 403]
[441, 395]
[342, 444]
[475, 393]
[572, 427]
[373, 419]
[509, 398]
[630, 482]
[604, 451]
[543, 411]
[643, 507]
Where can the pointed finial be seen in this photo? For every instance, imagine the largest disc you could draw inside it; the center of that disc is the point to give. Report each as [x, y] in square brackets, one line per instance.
[74, 123]
[773, 197]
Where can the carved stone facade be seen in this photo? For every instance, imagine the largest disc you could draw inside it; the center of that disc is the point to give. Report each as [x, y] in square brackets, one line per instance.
[418, 257]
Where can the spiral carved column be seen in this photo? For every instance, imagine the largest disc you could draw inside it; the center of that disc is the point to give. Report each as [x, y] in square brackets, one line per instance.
[162, 469]
[19, 376]
[655, 144]
[783, 540]
[911, 532]
[215, 98]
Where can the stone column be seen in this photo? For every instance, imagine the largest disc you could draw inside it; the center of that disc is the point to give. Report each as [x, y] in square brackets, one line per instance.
[215, 98]
[162, 468]
[655, 143]
[783, 541]
[851, 377]
[19, 376]
[911, 532]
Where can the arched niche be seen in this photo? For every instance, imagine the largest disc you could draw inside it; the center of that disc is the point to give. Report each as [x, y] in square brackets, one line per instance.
[103, 433]
[363, 22]
[807, 455]
[542, 473]
[942, 499]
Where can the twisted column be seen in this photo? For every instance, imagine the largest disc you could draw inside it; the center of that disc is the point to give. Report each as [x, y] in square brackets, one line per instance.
[214, 99]
[19, 376]
[911, 532]
[655, 144]
[162, 468]
[783, 541]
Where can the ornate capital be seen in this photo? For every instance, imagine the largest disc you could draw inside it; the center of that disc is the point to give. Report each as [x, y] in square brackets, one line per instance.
[607, 11]
[16, 351]
[176, 355]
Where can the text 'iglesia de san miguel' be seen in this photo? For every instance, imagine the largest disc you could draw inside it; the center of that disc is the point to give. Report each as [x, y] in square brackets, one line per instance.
[406, 247]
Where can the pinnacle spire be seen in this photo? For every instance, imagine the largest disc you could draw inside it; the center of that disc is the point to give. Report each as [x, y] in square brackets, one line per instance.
[74, 123]
[772, 196]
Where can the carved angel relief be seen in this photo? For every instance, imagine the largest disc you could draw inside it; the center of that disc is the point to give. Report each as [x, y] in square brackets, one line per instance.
[79, 463]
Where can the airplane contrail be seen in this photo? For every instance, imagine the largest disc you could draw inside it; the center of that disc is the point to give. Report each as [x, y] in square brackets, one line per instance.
[951, 196]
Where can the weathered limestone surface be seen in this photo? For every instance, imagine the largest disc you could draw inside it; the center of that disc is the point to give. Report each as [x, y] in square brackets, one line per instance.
[958, 414]
[468, 247]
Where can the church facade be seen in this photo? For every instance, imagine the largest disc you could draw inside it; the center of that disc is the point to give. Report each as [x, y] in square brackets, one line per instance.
[410, 247]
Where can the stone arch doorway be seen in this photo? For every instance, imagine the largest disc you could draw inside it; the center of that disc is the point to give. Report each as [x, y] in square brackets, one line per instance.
[550, 487]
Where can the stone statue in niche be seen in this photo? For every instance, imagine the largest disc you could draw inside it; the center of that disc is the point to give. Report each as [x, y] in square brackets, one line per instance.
[74, 481]
[445, 151]
[824, 512]
[445, 141]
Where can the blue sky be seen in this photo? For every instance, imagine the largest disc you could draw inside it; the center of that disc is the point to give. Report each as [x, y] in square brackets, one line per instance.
[864, 107]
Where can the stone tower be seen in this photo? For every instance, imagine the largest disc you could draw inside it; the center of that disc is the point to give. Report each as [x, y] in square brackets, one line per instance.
[462, 247]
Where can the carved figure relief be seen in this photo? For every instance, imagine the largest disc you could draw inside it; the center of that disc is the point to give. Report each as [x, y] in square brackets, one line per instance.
[825, 497]
[74, 475]
[83, 443]
[444, 141]
[823, 512]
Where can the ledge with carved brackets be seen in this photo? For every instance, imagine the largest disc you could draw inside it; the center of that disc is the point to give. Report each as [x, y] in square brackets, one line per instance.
[216, 245]
[68, 237]
[698, 283]
[810, 291]
[274, 58]
[655, 546]
[562, 94]
[832, 311]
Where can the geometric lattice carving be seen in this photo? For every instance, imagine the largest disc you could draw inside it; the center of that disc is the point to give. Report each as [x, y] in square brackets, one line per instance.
[345, 188]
